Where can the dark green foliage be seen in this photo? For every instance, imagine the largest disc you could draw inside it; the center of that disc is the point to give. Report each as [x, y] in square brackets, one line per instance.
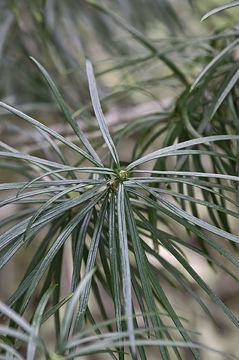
[110, 210]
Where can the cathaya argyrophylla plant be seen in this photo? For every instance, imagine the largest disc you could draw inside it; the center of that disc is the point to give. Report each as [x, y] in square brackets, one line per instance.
[109, 217]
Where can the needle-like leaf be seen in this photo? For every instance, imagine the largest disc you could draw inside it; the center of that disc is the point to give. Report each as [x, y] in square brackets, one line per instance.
[125, 267]
[219, 9]
[89, 266]
[66, 112]
[99, 113]
[67, 322]
[158, 153]
[51, 132]
[36, 322]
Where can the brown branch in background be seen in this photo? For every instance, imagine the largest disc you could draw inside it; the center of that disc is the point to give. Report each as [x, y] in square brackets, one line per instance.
[115, 119]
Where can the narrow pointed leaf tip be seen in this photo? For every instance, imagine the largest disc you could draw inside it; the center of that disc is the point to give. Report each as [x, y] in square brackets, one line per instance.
[65, 110]
[223, 92]
[99, 113]
[219, 9]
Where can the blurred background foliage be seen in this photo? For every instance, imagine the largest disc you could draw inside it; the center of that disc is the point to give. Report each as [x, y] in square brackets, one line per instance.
[60, 34]
[143, 52]
[146, 53]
